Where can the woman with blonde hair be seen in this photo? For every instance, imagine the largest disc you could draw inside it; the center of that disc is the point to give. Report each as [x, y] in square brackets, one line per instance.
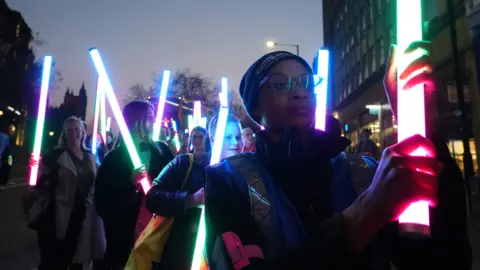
[70, 233]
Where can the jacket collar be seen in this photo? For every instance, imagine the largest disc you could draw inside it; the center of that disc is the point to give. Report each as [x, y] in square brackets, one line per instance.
[315, 143]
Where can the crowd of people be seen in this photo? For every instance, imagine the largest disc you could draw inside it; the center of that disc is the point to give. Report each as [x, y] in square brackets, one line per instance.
[285, 197]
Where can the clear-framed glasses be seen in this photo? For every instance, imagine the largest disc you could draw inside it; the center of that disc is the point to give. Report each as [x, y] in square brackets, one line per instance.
[284, 83]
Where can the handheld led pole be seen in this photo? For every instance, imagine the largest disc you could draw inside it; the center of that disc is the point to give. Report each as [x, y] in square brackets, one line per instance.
[411, 106]
[161, 105]
[197, 113]
[42, 106]
[117, 113]
[198, 254]
[109, 123]
[321, 88]
[98, 104]
[103, 118]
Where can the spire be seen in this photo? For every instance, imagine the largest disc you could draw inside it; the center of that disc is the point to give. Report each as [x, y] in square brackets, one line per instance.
[83, 91]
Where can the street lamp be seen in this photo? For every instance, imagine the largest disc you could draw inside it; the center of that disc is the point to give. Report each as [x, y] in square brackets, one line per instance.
[51, 133]
[271, 44]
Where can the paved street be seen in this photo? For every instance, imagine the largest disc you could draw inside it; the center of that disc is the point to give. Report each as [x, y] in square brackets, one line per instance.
[18, 250]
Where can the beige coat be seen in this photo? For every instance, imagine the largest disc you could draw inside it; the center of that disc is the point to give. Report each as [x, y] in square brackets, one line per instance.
[91, 242]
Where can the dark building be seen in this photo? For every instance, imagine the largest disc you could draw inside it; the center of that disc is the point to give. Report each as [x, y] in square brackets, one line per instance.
[72, 105]
[359, 34]
[16, 61]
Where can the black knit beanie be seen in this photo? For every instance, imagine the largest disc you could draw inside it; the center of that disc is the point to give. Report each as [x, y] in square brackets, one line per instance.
[249, 86]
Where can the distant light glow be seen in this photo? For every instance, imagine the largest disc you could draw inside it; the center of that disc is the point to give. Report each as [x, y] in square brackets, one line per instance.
[161, 104]
[177, 143]
[203, 122]
[321, 89]
[42, 106]
[117, 113]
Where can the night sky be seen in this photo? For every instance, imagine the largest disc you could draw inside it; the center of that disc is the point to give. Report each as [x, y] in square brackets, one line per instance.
[140, 38]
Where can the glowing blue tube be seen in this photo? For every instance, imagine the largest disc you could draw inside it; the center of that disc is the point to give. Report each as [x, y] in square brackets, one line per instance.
[321, 89]
[216, 155]
[161, 104]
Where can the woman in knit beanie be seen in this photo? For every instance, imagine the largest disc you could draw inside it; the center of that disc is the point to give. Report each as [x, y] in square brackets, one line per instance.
[286, 216]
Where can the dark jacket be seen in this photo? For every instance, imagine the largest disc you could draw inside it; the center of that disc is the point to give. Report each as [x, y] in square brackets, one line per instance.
[118, 198]
[167, 199]
[303, 173]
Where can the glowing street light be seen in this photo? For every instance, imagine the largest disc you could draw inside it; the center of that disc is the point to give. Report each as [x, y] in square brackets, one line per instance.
[271, 44]
[51, 133]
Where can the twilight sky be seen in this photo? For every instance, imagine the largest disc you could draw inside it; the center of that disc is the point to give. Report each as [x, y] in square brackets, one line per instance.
[140, 38]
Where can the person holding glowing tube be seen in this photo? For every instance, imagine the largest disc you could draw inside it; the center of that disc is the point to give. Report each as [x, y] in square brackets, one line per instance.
[280, 200]
[70, 233]
[166, 198]
[118, 194]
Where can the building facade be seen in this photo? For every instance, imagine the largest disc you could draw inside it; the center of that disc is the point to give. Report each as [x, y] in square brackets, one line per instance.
[16, 59]
[359, 34]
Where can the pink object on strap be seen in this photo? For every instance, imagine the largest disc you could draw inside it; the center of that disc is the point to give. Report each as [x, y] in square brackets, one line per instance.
[143, 219]
[239, 253]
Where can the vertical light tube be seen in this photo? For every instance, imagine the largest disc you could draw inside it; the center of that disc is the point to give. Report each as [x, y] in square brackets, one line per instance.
[117, 113]
[198, 254]
[103, 120]
[190, 123]
[411, 105]
[42, 107]
[98, 104]
[197, 113]
[109, 123]
[321, 88]
[177, 143]
[161, 104]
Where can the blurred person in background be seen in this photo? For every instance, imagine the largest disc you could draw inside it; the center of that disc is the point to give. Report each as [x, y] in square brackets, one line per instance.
[167, 198]
[119, 195]
[248, 140]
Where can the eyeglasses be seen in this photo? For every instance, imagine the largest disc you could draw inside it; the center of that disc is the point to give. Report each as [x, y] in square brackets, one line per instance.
[284, 83]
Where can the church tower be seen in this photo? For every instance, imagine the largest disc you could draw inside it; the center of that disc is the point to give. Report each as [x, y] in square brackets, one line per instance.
[82, 94]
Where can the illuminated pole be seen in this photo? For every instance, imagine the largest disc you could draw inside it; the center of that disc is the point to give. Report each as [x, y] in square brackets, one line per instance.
[177, 143]
[117, 113]
[321, 88]
[161, 104]
[98, 104]
[42, 106]
[190, 123]
[197, 113]
[103, 120]
[109, 123]
[198, 254]
[411, 105]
